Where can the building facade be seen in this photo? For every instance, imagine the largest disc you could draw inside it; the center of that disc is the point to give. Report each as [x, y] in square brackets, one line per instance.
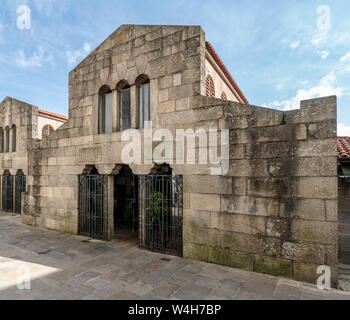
[274, 210]
[20, 125]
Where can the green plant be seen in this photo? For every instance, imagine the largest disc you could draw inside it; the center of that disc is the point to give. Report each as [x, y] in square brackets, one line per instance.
[156, 206]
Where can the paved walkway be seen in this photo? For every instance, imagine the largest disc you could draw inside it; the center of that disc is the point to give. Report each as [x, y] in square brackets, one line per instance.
[70, 267]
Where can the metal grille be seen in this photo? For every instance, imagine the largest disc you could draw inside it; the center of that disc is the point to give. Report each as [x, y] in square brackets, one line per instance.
[91, 221]
[7, 193]
[161, 213]
[20, 186]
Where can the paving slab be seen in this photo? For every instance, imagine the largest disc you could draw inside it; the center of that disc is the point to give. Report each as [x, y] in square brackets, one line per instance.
[65, 267]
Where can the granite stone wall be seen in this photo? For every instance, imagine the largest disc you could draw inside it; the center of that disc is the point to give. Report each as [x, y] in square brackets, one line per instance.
[275, 211]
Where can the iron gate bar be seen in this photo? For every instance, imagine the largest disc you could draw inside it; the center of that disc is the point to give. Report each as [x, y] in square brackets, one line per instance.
[91, 206]
[20, 186]
[161, 213]
[7, 193]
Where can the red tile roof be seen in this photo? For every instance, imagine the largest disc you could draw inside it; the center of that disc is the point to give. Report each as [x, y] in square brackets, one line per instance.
[343, 147]
[53, 115]
[228, 75]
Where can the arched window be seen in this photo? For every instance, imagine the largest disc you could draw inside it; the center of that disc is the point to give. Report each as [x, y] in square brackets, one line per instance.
[209, 86]
[7, 139]
[105, 110]
[223, 96]
[47, 130]
[2, 149]
[13, 138]
[124, 105]
[144, 109]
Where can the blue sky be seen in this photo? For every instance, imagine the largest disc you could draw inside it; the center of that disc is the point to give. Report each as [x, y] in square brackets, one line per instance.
[279, 52]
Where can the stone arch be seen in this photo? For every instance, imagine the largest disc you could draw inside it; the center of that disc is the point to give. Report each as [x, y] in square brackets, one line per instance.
[90, 170]
[142, 79]
[161, 169]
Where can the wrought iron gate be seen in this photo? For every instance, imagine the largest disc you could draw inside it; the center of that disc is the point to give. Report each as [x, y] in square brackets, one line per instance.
[161, 213]
[91, 206]
[7, 193]
[20, 186]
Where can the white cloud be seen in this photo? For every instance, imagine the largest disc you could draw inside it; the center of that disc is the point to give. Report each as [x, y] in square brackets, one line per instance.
[325, 88]
[36, 60]
[295, 44]
[343, 130]
[345, 58]
[74, 56]
[323, 54]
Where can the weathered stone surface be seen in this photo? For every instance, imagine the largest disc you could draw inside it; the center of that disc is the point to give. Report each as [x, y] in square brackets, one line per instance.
[230, 258]
[314, 231]
[238, 223]
[273, 266]
[319, 188]
[206, 202]
[208, 184]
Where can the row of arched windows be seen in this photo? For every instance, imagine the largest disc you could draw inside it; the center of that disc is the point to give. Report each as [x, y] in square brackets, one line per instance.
[123, 105]
[8, 139]
[210, 88]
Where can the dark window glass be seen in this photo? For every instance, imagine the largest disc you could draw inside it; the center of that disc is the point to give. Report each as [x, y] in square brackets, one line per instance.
[124, 107]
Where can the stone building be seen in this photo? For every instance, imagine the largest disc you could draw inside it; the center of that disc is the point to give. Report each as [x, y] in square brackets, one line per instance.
[274, 210]
[20, 124]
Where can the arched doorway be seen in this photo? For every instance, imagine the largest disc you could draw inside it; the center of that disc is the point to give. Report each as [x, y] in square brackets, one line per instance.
[7, 191]
[91, 208]
[125, 211]
[20, 187]
[161, 211]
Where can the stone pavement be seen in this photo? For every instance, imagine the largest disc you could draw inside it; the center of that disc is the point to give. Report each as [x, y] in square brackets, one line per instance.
[71, 267]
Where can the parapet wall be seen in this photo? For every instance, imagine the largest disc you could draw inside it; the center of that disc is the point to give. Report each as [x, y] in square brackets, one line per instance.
[275, 211]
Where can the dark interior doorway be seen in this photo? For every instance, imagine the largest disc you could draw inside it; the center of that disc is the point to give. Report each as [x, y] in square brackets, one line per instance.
[126, 204]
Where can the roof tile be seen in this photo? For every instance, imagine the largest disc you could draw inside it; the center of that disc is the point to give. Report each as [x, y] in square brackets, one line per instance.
[343, 147]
